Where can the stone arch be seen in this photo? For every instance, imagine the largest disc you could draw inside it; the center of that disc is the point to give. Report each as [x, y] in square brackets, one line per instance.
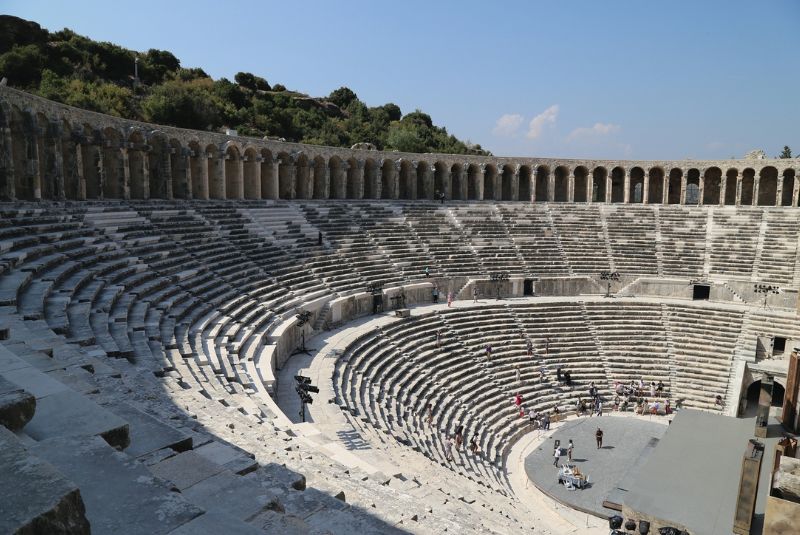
[422, 181]
[303, 184]
[198, 169]
[214, 162]
[542, 183]
[525, 183]
[560, 184]
[440, 179]
[599, 181]
[489, 179]
[112, 164]
[286, 175]
[580, 183]
[337, 178]
[748, 184]
[692, 186]
[507, 183]
[406, 180]
[234, 183]
[456, 192]
[788, 187]
[138, 166]
[321, 178]
[674, 191]
[158, 165]
[388, 180]
[655, 186]
[370, 179]
[712, 185]
[768, 186]
[731, 179]
[251, 173]
[473, 182]
[617, 185]
[636, 185]
[354, 188]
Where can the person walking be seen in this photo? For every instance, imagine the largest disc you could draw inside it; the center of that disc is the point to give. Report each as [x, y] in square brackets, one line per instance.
[518, 400]
[474, 294]
[598, 435]
[473, 444]
[488, 350]
[459, 437]
[546, 424]
[448, 448]
[556, 455]
[529, 347]
[570, 447]
[438, 337]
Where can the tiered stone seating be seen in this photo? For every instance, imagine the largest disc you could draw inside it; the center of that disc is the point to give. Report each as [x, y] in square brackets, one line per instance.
[683, 240]
[734, 241]
[703, 340]
[490, 239]
[446, 243]
[534, 238]
[580, 231]
[778, 257]
[766, 324]
[632, 238]
[632, 340]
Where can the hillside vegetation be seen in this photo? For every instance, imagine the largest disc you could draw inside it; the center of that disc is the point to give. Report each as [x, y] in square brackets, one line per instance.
[99, 76]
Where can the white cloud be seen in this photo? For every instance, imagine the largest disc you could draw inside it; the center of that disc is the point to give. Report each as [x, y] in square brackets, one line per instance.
[599, 129]
[536, 125]
[507, 125]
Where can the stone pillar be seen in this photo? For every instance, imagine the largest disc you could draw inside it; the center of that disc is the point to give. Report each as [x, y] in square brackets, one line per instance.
[738, 189]
[100, 167]
[551, 186]
[701, 183]
[166, 171]
[343, 169]
[239, 193]
[571, 187]
[378, 189]
[79, 175]
[146, 173]
[126, 174]
[796, 187]
[188, 179]
[257, 179]
[723, 189]
[779, 191]
[608, 188]
[646, 188]
[359, 178]
[756, 186]
[481, 179]
[515, 184]
[534, 172]
[396, 180]
[463, 180]
[34, 167]
[445, 182]
[589, 187]
[683, 186]
[626, 186]
[7, 164]
[58, 164]
[276, 180]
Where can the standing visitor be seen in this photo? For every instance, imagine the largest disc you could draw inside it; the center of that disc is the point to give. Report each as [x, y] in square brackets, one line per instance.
[427, 272]
[652, 389]
[556, 455]
[435, 294]
[475, 294]
[459, 437]
[449, 299]
[660, 388]
[546, 425]
[448, 448]
[569, 450]
[473, 444]
[529, 347]
[488, 350]
[598, 435]
[438, 337]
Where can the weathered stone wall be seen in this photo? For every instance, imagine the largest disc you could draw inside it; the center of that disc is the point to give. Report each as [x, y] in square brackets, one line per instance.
[53, 151]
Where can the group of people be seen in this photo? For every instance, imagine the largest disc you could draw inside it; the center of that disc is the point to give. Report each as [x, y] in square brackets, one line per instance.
[457, 440]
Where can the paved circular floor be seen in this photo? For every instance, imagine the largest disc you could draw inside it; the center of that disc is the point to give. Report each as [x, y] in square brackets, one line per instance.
[626, 443]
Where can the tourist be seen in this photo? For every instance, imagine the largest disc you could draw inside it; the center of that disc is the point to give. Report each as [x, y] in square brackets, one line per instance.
[718, 401]
[616, 402]
[598, 406]
[473, 444]
[430, 414]
[547, 345]
[475, 294]
[598, 435]
[427, 272]
[660, 389]
[556, 455]
[449, 299]
[533, 418]
[459, 437]
[667, 408]
[435, 294]
[546, 422]
[448, 448]
[558, 374]
[570, 446]
[441, 198]
[319, 237]
[542, 372]
[518, 375]
[529, 347]
[488, 351]
[518, 400]
[652, 389]
[568, 378]
[593, 391]
[438, 337]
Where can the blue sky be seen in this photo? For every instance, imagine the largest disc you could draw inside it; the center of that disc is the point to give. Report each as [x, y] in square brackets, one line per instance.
[586, 79]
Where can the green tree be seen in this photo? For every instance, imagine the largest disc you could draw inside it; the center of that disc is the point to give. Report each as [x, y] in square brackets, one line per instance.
[786, 152]
[342, 97]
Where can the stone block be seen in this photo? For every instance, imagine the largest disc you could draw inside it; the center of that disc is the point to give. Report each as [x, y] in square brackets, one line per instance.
[70, 414]
[16, 405]
[186, 469]
[217, 522]
[227, 492]
[121, 496]
[231, 458]
[34, 496]
[148, 434]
